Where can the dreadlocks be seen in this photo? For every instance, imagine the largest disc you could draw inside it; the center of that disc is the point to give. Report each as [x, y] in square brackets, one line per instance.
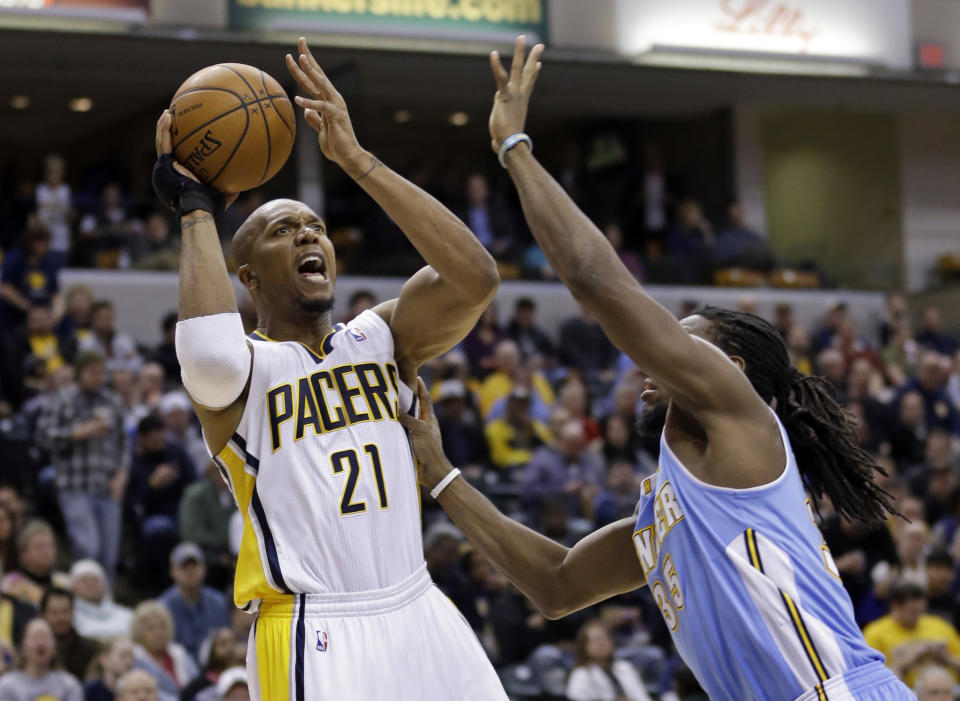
[821, 431]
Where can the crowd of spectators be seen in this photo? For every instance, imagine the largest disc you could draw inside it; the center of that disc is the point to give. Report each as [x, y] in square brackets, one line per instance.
[661, 233]
[118, 536]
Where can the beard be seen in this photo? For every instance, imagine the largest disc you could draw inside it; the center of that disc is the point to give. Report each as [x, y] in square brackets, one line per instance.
[649, 427]
[317, 306]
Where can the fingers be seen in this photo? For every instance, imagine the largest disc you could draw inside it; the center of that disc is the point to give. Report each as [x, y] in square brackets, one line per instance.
[321, 106]
[303, 48]
[426, 403]
[308, 73]
[410, 423]
[303, 80]
[318, 113]
[163, 133]
[314, 119]
[325, 88]
[307, 56]
[499, 72]
[531, 69]
[516, 67]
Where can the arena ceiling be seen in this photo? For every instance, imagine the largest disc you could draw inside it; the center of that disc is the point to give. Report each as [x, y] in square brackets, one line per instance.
[130, 76]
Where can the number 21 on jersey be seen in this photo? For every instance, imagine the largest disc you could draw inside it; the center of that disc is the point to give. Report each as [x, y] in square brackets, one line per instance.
[347, 461]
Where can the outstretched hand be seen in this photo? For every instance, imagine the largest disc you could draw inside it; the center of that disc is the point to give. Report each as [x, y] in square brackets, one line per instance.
[426, 439]
[509, 114]
[325, 109]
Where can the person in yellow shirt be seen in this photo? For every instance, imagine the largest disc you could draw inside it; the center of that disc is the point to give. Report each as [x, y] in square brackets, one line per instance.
[911, 639]
[513, 438]
[499, 383]
[43, 342]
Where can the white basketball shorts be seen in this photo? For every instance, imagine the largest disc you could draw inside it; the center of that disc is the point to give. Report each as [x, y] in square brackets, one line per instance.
[404, 643]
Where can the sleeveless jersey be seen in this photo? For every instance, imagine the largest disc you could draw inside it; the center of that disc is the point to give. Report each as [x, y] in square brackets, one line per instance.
[321, 469]
[746, 584]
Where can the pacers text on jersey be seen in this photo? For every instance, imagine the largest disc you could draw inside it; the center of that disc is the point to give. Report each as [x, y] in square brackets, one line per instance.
[330, 400]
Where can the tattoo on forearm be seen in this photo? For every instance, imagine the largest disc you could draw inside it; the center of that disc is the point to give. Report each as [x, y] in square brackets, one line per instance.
[186, 224]
[374, 164]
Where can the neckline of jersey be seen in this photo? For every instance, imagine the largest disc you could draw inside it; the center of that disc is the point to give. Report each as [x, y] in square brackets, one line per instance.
[733, 490]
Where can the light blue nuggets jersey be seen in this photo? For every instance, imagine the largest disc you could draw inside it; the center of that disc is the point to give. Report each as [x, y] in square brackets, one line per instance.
[748, 587]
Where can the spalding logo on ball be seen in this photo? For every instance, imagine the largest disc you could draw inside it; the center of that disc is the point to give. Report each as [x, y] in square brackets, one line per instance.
[233, 126]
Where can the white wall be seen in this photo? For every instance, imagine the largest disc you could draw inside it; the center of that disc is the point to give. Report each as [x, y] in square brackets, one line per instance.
[582, 25]
[930, 189]
[938, 20]
[141, 299]
[748, 164]
[930, 168]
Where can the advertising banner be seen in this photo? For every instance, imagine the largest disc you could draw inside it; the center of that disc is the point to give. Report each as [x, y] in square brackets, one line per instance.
[876, 32]
[468, 19]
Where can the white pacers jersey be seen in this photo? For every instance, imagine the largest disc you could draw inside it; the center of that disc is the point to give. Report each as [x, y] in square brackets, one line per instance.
[321, 469]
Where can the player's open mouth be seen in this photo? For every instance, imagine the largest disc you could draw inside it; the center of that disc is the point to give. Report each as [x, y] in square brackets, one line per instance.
[313, 267]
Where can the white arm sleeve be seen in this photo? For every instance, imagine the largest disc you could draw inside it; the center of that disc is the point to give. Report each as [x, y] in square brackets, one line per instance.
[214, 358]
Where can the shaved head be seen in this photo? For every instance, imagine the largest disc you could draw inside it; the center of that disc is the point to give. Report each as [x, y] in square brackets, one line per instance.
[242, 245]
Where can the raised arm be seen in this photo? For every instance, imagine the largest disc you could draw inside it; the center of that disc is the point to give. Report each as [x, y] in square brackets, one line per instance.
[558, 580]
[697, 374]
[441, 303]
[214, 354]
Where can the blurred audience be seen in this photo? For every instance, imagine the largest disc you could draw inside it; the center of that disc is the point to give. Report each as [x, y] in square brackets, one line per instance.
[155, 651]
[95, 614]
[38, 677]
[196, 609]
[912, 639]
[83, 430]
[596, 675]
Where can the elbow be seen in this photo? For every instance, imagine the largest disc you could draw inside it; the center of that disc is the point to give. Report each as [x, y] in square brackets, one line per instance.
[477, 285]
[553, 613]
[555, 600]
[554, 607]
[485, 277]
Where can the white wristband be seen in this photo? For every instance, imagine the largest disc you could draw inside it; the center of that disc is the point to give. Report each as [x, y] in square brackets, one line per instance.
[452, 475]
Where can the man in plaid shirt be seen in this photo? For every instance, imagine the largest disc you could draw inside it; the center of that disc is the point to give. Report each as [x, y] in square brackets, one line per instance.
[82, 427]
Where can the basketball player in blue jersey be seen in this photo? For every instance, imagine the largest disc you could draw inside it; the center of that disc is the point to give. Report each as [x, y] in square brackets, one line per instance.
[302, 420]
[724, 534]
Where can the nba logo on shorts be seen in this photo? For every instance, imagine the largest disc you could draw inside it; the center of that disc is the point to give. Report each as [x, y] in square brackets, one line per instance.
[321, 641]
[358, 335]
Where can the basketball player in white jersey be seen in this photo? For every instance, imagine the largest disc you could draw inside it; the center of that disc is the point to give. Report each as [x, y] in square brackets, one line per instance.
[302, 418]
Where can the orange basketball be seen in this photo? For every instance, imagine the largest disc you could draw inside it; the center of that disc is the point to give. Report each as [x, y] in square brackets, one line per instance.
[233, 126]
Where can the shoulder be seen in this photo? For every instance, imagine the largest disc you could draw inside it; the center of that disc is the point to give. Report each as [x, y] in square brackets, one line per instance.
[579, 681]
[213, 595]
[179, 653]
[11, 679]
[67, 680]
[376, 321]
[170, 596]
[878, 627]
[198, 490]
[937, 625]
